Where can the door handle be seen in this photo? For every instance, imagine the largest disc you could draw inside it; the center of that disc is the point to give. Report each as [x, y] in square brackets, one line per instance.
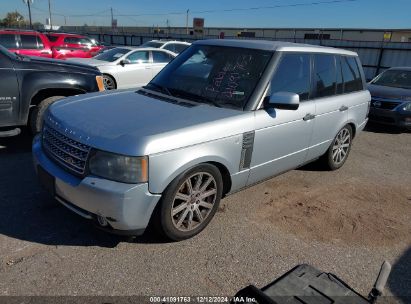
[308, 117]
[343, 108]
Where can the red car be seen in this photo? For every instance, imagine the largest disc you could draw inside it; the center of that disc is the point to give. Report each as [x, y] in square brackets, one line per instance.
[30, 43]
[72, 46]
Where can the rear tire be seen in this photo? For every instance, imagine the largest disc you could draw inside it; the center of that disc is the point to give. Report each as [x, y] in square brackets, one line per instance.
[109, 82]
[189, 203]
[339, 150]
[36, 115]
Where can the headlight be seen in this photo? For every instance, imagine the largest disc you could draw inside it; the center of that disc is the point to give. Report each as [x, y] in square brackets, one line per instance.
[407, 107]
[120, 168]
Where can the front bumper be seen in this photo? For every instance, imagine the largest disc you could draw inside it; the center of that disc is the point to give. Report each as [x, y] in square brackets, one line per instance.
[397, 118]
[126, 207]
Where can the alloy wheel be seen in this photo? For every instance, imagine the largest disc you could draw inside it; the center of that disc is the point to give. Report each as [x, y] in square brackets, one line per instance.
[341, 146]
[194, 201]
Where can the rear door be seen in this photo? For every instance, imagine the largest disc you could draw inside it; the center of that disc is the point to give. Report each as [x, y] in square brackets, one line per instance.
[137, 72]
[160, 60]
[331, 105]
[9, 93]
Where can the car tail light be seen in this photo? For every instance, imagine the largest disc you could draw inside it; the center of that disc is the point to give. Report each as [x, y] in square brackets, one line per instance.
[100, 83]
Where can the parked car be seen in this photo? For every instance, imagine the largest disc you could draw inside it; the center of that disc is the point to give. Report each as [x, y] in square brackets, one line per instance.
[66, 45]
[24, 42]
[173, 46]
[129, 67]
[222, 116]
[30, 84]
[391, 97]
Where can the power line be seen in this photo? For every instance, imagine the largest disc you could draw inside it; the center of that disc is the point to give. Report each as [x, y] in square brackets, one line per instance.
[205, 11]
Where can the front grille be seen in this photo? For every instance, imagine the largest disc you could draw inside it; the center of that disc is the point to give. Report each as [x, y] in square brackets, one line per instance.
[385, 105]
[68, 153]
[382, 119]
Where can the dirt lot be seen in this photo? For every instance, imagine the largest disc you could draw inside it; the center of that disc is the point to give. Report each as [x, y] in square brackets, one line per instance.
[344, 222]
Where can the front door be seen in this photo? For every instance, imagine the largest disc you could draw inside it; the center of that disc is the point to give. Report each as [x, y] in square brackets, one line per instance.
[282, 137]
[9, 93]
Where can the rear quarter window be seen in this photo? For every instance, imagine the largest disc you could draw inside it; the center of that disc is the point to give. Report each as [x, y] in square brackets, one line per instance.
[351, 74]
[8, 41]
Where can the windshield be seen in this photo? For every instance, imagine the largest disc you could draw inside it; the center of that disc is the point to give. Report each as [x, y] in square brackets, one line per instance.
[222, 76]
[394, 78]
[153, 44]
[112, 55]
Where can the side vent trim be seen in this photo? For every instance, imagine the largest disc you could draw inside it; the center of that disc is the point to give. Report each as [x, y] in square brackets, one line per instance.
[247, 150]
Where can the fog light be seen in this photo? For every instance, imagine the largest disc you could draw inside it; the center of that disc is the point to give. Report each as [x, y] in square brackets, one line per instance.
[102, 221]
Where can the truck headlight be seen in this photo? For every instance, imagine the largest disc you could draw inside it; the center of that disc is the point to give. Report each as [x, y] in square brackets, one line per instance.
[120, 168]
[407, 107]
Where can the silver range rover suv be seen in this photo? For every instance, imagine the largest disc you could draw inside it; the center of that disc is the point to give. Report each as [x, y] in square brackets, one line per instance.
[222, 116]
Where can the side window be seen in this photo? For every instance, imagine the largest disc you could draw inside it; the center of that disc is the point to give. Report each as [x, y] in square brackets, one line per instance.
[324, 75]
[351, 75]
[8, 41]
[293, 75]
[340, 81]
[180, 48]
[170, 47]
[28, 42]
[139, 57]
[161, 57]
[72, 40]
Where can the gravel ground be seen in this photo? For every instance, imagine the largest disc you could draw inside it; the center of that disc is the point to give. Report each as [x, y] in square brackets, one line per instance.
[346, 222]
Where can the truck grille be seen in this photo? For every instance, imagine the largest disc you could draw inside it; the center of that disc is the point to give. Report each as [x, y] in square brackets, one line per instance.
[68, 153]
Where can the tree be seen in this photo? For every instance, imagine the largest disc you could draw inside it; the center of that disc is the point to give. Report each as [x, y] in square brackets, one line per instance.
[13, 19]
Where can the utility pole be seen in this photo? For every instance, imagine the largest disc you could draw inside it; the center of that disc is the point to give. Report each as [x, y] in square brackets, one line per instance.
[51, 23]
[187, 22]
[112, 18]
[28, 5]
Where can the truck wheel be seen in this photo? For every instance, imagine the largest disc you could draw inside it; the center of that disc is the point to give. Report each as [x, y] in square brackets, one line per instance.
[109, 82]
[338, 152]
[36, 115]
[190, 202]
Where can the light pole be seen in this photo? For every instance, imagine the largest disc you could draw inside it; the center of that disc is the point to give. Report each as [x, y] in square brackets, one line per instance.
[51, 23]
[28, 2]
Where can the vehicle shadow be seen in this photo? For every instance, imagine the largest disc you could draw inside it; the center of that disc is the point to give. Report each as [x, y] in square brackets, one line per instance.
[30, 214]
[378, 128]
[399, 280]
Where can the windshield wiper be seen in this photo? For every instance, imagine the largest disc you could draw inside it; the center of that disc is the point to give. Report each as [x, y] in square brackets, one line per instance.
[194, 97]
[158, 88]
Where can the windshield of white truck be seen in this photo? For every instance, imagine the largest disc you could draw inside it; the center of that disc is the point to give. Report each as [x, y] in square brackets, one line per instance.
[221, 76]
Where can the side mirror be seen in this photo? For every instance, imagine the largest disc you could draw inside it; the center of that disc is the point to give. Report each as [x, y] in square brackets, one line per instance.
[124, 62]
[283, 100]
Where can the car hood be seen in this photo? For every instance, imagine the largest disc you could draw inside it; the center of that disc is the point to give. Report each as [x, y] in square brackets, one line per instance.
[130, 123]
[389, 92]
[90, 61]
[46, 64]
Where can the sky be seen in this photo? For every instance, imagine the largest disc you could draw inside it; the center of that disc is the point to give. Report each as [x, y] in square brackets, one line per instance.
[380, 14]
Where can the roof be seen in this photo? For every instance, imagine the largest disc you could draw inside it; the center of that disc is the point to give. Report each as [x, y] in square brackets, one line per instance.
[167, 41]
[267, 45]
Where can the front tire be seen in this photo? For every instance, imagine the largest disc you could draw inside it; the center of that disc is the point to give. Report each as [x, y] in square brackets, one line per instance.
[190, 202]
[36, 116]
[340, 148]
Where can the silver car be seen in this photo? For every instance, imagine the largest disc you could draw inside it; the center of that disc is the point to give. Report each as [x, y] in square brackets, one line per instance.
[128, 67]
[222, 116]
